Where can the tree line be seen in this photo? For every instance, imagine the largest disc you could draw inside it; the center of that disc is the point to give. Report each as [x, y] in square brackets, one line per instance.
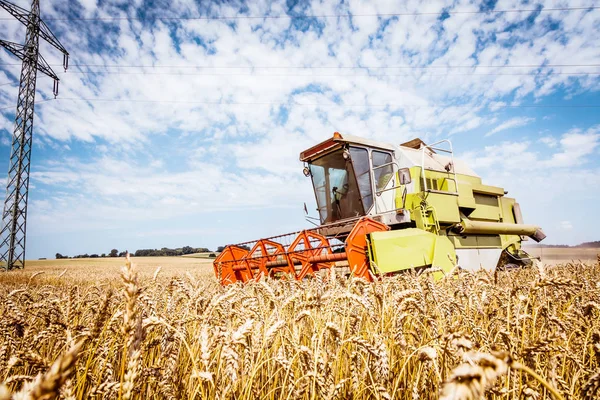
[169, 252]
[165, 251]
[586, 245]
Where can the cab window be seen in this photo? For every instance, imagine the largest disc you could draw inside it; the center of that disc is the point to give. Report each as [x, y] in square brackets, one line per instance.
[362, 169]
[383, 169]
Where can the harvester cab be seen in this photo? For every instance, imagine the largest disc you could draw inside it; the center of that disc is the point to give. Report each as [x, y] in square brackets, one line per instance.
[387, 208]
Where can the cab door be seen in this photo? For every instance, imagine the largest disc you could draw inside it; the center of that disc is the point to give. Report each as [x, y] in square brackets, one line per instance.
[383, 178]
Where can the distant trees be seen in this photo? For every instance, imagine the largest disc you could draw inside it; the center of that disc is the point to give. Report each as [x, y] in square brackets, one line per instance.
[113, 253]
[165, 251]
[584, 245]
[590, 244]
[221, 248]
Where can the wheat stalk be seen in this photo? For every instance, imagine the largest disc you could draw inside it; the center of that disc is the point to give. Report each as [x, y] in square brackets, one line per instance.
[402, 337]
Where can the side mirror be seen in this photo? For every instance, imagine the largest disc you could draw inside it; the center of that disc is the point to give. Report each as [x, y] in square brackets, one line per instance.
[404, 176]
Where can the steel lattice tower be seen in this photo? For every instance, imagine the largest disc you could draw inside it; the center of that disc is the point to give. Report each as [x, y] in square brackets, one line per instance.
[14, 216]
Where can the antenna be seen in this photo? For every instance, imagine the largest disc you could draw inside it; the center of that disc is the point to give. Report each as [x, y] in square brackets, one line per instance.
[14, 216]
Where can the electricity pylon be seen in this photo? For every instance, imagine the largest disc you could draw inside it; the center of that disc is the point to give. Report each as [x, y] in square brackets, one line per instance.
[14, 216]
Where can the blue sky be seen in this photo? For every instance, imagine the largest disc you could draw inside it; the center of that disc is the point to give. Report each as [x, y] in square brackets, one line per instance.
[180, 132]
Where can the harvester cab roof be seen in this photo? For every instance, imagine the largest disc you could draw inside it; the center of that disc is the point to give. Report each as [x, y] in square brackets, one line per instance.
[384, 209]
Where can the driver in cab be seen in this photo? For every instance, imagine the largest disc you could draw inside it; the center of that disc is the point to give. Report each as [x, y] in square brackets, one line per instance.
[339, 201]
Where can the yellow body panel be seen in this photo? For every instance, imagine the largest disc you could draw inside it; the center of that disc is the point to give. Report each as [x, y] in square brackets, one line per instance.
[393, 251]
[476, 241]
[446, 207]
[475, 201]
[487, 207]
[465, 195]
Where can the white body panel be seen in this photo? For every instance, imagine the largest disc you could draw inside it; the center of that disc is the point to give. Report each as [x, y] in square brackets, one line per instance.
[435, 162]
[475, 259]
[386, 199]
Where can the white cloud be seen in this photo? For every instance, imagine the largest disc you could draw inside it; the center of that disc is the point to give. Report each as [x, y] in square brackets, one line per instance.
[509, 124]
[549, 141]
[575, 147]
[572, 149]
[507, 155]
[496, 105]
[113, 191]
[157, 142]
[404, 41]
[157, 164]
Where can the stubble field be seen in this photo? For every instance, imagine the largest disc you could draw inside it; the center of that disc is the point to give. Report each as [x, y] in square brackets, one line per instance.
[92, 270]
[86, 329]
[557, 255]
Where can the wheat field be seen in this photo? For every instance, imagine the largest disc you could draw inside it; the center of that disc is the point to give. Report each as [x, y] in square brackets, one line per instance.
[526, 334]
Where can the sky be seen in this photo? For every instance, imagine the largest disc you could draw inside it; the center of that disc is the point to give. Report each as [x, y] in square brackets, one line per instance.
[180, 122]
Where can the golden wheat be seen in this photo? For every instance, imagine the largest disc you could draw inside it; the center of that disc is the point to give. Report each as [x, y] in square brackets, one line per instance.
[532, 333]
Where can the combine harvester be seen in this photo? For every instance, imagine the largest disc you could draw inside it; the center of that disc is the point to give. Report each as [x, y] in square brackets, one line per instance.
[384, 209]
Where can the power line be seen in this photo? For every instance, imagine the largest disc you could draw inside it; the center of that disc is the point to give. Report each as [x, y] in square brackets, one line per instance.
[36, 103]
[290, 104]
[324, 67]
[347, 15]
[541, 72]
[332, 75]
[326, 105]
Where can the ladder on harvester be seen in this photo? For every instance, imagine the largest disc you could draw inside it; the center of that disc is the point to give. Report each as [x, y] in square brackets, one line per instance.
[450, 170]
[428, 218]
